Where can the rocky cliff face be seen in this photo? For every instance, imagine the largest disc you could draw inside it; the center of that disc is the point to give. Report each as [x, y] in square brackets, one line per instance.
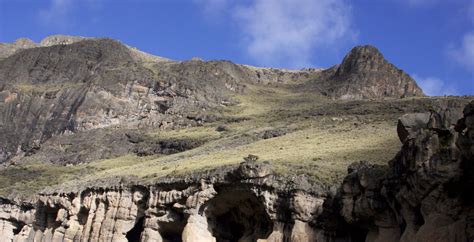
[66, 85]
[424, 195]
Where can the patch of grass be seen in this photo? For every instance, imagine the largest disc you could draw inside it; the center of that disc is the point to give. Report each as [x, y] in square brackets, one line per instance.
[294, 153]
[30, 178]
[42, 88]
[207, 132]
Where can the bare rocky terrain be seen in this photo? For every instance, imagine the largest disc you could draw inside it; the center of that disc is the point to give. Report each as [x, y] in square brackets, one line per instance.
[102, 142]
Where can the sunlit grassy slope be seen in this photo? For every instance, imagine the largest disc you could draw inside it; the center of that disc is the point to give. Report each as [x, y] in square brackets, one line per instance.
[322, 138]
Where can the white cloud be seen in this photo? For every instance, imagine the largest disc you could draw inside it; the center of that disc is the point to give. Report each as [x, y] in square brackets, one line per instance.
[470, 11]
[60, 13]
[57, 13]
[287, 32]
[420, 3]
[213, 7]
[433, 86]
[464, 53]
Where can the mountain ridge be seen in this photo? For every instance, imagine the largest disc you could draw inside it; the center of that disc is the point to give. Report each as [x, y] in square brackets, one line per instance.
[74, 73]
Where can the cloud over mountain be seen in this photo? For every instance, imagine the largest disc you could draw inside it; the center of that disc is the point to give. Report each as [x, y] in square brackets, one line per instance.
[287, 32]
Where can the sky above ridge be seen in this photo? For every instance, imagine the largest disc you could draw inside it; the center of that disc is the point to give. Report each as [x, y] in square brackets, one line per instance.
[432, 40]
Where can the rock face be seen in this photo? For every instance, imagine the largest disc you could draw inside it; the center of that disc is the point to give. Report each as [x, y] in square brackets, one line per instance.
[365, 73]
[7, 49]
[424, 195]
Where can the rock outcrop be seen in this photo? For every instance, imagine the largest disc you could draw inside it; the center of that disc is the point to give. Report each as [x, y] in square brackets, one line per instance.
[240, 204]
[365, 73]
[426, 194]
[7, 49]
[93, 98]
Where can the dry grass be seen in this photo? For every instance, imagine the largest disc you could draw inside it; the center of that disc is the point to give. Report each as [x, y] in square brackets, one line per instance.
[327, 151]
[320, 146]
[42, 88]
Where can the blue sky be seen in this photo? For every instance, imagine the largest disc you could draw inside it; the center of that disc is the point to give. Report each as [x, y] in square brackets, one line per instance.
[432, 40]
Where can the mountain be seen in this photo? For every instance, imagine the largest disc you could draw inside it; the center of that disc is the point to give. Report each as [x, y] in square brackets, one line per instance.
[103, 142]
[68, 84]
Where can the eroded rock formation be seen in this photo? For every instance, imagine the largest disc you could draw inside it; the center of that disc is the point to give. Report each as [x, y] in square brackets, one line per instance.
[238, 205]
[426, 195]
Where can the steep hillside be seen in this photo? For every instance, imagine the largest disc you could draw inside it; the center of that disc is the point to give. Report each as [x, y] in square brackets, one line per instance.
[68, 84]
[73, 84]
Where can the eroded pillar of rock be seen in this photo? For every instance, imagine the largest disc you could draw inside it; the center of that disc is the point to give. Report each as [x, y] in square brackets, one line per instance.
[6, 231]
[305, 208]
[196, 230]
[277, 235]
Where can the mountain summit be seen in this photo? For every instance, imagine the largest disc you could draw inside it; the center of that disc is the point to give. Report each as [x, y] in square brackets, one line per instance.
[365, 73]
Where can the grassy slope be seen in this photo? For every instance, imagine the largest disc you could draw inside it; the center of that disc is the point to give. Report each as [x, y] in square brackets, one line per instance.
[318, 145]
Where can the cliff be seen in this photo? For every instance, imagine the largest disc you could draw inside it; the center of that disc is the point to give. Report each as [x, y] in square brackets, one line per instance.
[424, 195]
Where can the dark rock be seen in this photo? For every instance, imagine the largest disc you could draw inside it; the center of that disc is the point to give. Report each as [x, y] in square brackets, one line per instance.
[430, 181]
[222, 128]
[254, 169]
[409, 124]
[134, 137]
[268, 134]
[152, 147]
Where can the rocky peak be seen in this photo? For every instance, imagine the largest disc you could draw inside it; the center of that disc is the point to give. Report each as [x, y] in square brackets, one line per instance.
[25, 43]
[365, 73]
[7, 49]
[362, 59]
[60, 40]
[85, 56]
